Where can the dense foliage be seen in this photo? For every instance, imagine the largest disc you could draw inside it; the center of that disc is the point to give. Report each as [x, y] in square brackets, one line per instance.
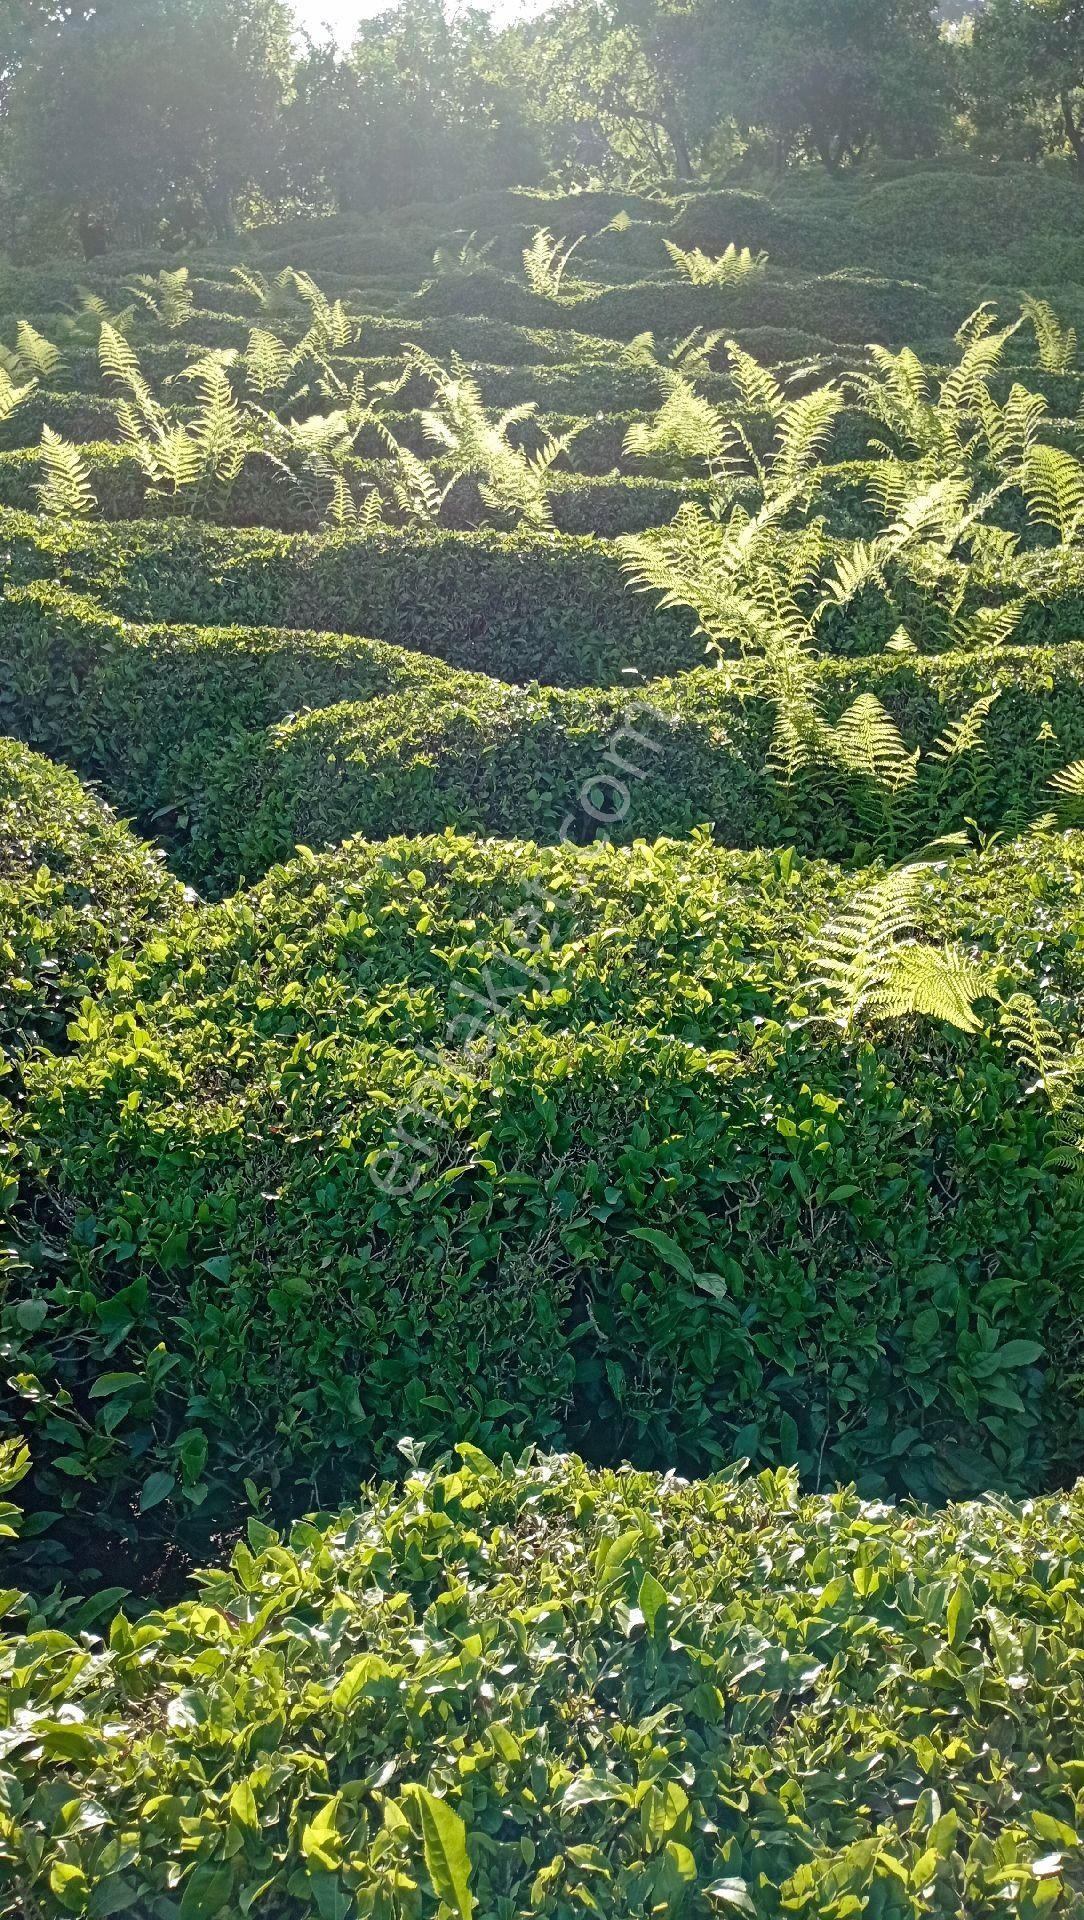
[210, 114]
[539, 1691]
[622, 736]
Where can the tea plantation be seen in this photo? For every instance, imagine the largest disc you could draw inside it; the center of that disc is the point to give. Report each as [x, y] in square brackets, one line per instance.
[541, 957]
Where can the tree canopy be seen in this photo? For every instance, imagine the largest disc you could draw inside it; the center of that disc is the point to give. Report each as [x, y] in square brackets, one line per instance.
[146, 119]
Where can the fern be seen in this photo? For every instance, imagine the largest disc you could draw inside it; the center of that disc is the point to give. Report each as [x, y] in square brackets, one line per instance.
[757, 388]
[510, 481]
[545, 262]
[12, 395]
[726, 270]
[1053, 482]
[119, 362]
[34, 353]
[267, 363]
[330, 330]
[449, 262]
[65, 490]
[1068, 785]
[874, 967]
[252, 283]
[1057, 344]
[167, 295]
[687, 427]
[416, 491]
[1057, 1073]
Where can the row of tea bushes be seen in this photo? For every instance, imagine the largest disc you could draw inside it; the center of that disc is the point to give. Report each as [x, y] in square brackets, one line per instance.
[253, 740]
[493, 1142]
[537, 1690]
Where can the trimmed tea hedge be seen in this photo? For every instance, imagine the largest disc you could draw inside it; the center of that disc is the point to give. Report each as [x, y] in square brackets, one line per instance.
[75, 889]
[446, 1138]
[252, 740]
[538, 1690]
[540, 607]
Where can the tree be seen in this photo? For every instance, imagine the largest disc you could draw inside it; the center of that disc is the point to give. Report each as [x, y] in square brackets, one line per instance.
[422, 107]
[144, 110]
[1027, 77]
[838, 77]
[618, 81]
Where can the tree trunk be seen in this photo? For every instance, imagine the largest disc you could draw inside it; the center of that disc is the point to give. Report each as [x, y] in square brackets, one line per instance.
[1073, 133]
[675, 133]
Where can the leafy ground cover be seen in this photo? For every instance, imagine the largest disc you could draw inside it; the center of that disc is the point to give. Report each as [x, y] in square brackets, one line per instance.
[540, 1691]
[541, 857]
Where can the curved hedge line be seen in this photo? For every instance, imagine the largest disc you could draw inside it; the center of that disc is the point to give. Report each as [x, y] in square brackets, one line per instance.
[548, 607]
[540, 1690]
[537, 607]
[75, 889]
[252, 740]
[498, 1143]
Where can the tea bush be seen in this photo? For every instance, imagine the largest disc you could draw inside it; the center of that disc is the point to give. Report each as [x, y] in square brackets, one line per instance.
[252, 740]
[538, 1689]
[437, 1137]
[678, 1124]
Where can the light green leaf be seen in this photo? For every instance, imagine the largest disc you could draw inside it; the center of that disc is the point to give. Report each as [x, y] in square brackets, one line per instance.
[669, 1251]
[444, 1843]
[157, 1487]
[612, 1555]
[649, 1599]
[959, 1614]
[731, 1893]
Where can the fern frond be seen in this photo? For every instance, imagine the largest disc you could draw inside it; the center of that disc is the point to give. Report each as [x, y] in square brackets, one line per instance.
[267, 362]
[1053, 481]
[758, 389]
[415, 490]
[65, 490]
[965, 735]
[986, 626]
[686, 427]
[118, 361]
[167, 294]
[1035, 1042]
[875, 967]
[727, 269]
[805, 427]
[868, 745]
[1068, 785]
[1057, 344]
[545, 264]
[252, 283]
[13, 396]
[36, 354]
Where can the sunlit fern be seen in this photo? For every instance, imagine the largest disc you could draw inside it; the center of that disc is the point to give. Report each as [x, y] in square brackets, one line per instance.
[13, 394]
[691, 356]
[1053, 483]
[450, 261]
[1057, 345]
[417, 492]
[1068, 788]
[724, 270]
[510, 480]
[65, 489]
[1057, 1074]
[874, 965]
[545, 262]
[252, 282]
[268, 364]
[770, 439]
[33, 354]
[166, 295]
[330, 328]
[312, 455]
